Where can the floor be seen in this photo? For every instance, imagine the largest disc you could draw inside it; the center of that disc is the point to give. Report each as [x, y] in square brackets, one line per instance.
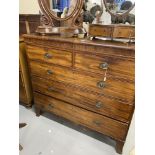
[50, 135]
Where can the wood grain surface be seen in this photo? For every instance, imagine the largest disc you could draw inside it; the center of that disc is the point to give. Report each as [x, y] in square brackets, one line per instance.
[88, 82]
[94, 102]
[110, 127]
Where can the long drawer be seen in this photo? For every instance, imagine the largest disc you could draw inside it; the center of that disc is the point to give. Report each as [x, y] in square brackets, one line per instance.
[102, 124]
[115, 88]
[54, 56]
[93, 102]
[116, 66]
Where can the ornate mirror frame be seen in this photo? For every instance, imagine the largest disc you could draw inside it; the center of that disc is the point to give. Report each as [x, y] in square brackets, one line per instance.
[48, 16]
[118, 15]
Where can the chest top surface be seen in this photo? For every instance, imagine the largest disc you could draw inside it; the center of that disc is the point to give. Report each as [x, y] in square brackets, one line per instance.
[101, 43]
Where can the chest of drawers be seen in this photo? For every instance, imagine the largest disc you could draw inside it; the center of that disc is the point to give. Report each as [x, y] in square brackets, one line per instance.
[90, 83]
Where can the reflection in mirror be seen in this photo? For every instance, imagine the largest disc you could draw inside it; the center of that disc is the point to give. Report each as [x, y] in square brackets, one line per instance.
[92, 11]
[62, 8]
[119, 6]
[109, 12]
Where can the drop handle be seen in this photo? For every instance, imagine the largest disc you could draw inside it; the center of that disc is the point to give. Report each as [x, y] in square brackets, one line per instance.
[99, 105]
[98, 123]
[47, 56]
[103, 65]
[49, 72]
[101, 84]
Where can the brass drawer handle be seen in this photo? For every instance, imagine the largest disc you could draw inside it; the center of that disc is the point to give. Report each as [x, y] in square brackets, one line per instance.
[50, 106]
[49, 72]
[98, 123]
[47, 56]
[103, 65]
[101, 84]
[99, 105]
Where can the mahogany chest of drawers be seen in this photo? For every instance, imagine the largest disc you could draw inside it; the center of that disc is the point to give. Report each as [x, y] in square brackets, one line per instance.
[90, 83]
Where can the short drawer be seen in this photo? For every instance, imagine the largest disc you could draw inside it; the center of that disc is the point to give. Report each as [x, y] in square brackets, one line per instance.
[124, 32]
[102, 124]
[117, 88]
[116, 66]
[93, 102]
[97, 30]
[111, 87]
[53, 56]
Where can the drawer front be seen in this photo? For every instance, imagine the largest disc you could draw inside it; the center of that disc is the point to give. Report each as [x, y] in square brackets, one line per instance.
[115, 66]
[125, 32]
[50, 71]
[93, 102]
[54, 56]
[100, 31]
[111, 87]
[115, 88]
[78, 115]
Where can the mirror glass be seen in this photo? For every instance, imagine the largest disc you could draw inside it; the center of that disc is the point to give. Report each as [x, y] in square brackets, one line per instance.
[106, 11]
[62, 8]
[92, 10]
[119, 6]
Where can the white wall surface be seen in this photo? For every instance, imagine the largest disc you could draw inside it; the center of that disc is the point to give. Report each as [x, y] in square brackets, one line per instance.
[28, 7]
[130, 140]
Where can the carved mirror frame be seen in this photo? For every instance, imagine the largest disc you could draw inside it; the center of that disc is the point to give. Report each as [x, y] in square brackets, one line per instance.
[48, 16]
[118, 15]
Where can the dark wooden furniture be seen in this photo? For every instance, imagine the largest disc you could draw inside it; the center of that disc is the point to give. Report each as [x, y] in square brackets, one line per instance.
[112, 31]
[87, 82]
[25, 89]
[28, 23]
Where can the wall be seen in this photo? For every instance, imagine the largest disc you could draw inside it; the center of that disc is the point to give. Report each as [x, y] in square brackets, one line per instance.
[130, 140]
[32, 7]
[28, 7]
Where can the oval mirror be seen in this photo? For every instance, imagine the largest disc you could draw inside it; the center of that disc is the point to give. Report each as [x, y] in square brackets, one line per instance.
[119, 7]
[62, 8]
[59, 14]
